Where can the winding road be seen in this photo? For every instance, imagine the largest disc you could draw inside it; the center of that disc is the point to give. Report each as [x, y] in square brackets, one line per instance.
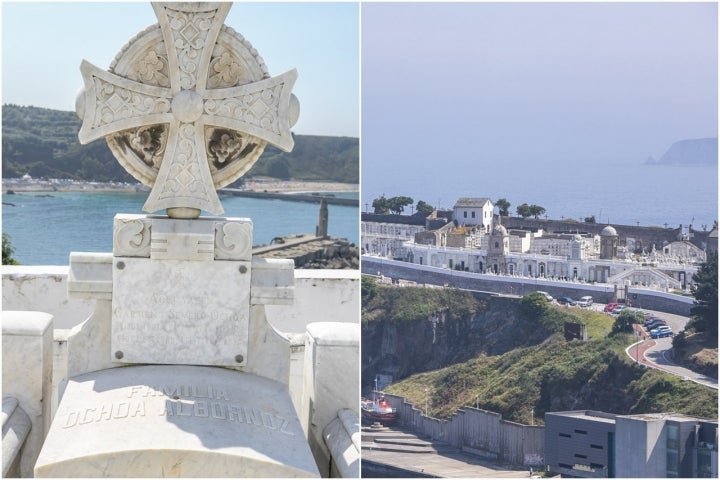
[657, 353]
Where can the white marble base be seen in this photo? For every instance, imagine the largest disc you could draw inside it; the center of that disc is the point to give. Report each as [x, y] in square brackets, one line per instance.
[175, 421]
[27, 353]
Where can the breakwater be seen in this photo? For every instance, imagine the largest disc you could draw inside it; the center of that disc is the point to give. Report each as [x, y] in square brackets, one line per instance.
[294, 197]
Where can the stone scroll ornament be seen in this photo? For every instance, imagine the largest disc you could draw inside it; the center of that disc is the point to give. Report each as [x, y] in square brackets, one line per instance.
[187, 107]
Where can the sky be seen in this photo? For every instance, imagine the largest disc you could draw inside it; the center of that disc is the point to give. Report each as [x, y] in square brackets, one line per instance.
[459, 97]
[44, 43]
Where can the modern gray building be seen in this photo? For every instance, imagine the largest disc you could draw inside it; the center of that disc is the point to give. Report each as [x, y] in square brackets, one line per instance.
[580, 443]
[592, 444]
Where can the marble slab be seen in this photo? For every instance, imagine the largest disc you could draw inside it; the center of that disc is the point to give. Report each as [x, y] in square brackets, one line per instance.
[175, 421]
[180, 312]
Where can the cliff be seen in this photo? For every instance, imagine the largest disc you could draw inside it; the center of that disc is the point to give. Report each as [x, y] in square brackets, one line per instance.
[442, 337]
[699, 151]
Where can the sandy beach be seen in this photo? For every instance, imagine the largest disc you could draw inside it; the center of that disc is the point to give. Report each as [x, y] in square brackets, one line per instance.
[270, 185]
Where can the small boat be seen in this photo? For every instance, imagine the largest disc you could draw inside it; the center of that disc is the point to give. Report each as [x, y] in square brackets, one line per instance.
[378, 410]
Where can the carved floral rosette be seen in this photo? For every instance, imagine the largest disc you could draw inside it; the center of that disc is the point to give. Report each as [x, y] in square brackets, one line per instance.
[234, 62]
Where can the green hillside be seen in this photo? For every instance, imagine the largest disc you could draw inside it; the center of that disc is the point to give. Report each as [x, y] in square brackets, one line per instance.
[557, 376]
[43, 143]
[511, 354]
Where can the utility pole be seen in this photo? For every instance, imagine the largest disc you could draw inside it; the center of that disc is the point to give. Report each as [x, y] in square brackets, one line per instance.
[426, 401]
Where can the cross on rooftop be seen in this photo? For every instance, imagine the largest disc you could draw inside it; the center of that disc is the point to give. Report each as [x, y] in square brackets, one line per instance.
[188, 107]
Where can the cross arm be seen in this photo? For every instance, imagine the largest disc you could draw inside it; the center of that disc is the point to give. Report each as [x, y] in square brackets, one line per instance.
[110, 103]
[266, 109]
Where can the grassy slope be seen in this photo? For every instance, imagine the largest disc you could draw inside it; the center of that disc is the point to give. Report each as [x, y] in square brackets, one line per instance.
[559, 375]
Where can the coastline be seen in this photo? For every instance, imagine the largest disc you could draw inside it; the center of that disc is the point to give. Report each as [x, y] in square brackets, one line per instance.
[260, 185]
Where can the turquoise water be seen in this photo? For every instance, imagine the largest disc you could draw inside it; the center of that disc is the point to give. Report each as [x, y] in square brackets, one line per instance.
[45, 229]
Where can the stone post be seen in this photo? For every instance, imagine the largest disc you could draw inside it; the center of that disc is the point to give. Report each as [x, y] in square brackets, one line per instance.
[322, 226]
[27, 359]
[331, 381]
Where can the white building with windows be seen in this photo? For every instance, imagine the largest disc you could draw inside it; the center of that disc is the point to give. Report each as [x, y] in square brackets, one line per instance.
[474, 211]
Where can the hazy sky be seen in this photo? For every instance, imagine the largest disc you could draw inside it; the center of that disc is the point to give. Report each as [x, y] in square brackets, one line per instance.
[456, 94]
[43, 44]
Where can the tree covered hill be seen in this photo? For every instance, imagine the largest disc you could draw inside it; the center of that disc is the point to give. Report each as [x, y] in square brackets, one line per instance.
[43, 143]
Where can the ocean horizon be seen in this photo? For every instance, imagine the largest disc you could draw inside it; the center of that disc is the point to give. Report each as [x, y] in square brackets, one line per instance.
[615, 194]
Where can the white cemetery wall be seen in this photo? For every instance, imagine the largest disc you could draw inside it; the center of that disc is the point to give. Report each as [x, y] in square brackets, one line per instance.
[317, 293]
[43, 288]
[320, 296]
[26, 374]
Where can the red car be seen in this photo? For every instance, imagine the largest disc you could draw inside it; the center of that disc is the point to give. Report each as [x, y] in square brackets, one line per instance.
[610, 307]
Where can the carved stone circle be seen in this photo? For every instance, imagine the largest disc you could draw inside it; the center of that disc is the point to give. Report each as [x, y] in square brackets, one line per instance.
[187, 107]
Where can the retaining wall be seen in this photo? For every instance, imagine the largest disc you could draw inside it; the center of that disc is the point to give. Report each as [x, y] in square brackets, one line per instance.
[601, 293]
[478, 432]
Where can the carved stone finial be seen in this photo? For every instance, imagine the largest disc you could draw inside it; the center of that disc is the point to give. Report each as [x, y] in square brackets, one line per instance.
[187, 107]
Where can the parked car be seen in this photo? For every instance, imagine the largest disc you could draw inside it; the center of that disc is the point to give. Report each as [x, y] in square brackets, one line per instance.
[547, 296]
[566, 301]
[654, 324]
[660, 333]
[654, 320]
[618, 309]
[609, 307]
[585, 301]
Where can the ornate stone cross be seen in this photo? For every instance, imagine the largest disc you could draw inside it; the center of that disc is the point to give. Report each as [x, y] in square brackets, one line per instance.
[187, 107]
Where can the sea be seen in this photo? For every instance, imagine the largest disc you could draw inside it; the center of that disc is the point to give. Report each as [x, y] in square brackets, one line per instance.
[614, 193]
[45, 227]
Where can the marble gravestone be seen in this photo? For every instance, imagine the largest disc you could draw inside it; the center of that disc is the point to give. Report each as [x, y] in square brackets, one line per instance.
[187, 107]
[174, 421]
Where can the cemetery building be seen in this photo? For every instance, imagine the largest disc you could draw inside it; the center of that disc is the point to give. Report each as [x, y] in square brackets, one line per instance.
[597, 254]
[474, 211]
[385, 234]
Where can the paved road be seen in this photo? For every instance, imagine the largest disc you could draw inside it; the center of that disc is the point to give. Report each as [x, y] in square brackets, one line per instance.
[657, 353]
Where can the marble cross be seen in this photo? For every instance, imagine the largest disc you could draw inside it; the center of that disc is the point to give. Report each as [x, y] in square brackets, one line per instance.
[188, 108]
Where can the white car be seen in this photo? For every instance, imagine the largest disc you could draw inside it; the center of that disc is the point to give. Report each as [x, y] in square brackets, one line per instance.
[547, 296]
[585, 301]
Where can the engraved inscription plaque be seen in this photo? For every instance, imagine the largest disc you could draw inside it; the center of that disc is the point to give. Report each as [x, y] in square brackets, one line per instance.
[180, 312]
[175, 421]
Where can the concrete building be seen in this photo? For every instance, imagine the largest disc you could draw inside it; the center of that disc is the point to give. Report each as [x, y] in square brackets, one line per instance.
[580, 443]
[593, 444]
